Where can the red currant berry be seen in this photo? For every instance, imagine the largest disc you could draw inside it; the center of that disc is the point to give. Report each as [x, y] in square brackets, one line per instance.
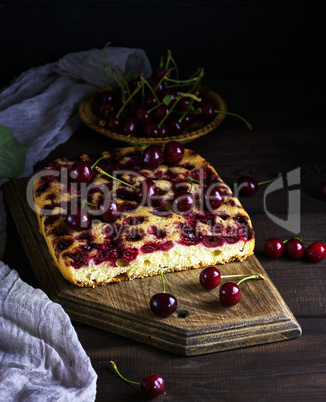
[210, 278]
[294, 249]
[173, 153]
[274, 248]
[81, 172]
[230, 294]
[247, 186]
[316, 252]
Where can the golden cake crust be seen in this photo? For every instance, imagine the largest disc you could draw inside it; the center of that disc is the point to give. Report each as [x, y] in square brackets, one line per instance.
[144, 239]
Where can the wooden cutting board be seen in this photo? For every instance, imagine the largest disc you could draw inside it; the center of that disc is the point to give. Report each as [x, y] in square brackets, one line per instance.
[201, 324]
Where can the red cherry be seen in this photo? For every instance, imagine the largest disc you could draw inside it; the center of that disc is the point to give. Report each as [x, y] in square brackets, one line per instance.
[183, 203]
[146, 191]
[173, 153]
[316, 252]
[213, 196]
[274, 248]
[78, 220]
[152, 385]
[112, 123]
[323, 190]
[111, 213]
[294, 249]
[130, 126]
[81, 172]
[142, 115]
[230, 294]
[210, 277]
[151, 157]
[247, 186]
[163, 304]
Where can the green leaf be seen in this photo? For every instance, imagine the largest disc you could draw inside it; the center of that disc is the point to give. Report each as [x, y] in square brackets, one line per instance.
[12, 154]
[131, 75]
[167, 100]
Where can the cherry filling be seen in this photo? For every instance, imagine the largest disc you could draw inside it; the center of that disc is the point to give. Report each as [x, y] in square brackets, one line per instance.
[64, 244]
[148, 248]
[212, 241]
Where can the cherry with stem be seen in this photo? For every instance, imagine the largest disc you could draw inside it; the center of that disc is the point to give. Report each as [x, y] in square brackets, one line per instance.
[247, 186]
[230, 293]
[163, 304]
[151, 386]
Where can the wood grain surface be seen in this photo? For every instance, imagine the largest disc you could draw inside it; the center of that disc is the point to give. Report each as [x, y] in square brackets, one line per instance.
[200, 325]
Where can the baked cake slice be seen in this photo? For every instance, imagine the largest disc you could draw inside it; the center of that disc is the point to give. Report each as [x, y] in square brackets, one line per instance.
[143, 235]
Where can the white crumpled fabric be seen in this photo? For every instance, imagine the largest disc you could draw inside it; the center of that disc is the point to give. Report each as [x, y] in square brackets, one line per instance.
[41, 358]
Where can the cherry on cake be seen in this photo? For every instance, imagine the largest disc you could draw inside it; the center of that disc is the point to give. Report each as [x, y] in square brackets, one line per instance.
[136, 211]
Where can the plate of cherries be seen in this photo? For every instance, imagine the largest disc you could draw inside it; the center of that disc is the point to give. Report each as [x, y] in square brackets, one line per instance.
[154, 110]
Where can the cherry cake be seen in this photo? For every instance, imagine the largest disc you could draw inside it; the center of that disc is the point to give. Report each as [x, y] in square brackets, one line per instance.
[135, 211]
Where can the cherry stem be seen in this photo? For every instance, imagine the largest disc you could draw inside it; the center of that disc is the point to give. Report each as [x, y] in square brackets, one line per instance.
[256, 276]
[270, 180]
[87, 203]
[298, 238]
[163, 282]
[249, 126]
[95, 163]
[191, 180]
[107, 68]
[150, 88]
[170, 111]
[121, 376]
[128, 100]
[115, 178]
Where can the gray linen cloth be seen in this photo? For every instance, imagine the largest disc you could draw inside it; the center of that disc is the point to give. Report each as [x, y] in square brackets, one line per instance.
[41, 358]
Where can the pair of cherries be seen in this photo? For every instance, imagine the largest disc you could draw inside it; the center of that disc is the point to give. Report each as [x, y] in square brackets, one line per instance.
[230, 293]
[295, 249]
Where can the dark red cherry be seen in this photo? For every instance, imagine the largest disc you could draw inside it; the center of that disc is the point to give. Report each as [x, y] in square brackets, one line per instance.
[210, 277]
[130, 126]
[323, 190]
[160, 72]
[160, 112]
[274, 248]
[294, 249]
[163, 304]
[150, 100]
[110, 212]
[108, 96]
[183, 203]
[106, 108]
[142, 115]
[208, 110]
[183, 104]
[146, 191]
[316, 252]
[152, 386]
[79, 219]
[247, 186]
[175, 126]
[151, 157]
[213, 196]
[173, 153]
[230, 294]
[112, 123]
[81, 172]
[188, 120]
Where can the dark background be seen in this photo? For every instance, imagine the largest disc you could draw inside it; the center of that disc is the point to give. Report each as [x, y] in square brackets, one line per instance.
[229, 39]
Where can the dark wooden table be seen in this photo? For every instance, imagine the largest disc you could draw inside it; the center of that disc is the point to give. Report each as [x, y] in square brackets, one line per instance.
[288, 117]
